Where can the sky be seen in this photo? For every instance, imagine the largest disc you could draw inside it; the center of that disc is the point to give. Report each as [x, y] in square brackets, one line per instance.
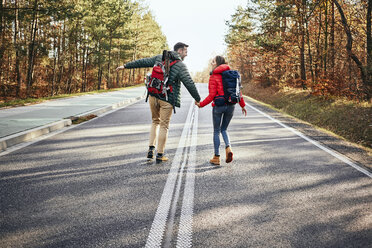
[198, 23]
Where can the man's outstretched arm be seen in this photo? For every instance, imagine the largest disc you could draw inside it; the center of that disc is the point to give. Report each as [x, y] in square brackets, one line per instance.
[140, 63]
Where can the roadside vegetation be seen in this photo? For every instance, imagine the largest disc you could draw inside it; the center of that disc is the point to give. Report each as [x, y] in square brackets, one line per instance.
[309, 59]
[28, 101]
[50, 48]
[351, 120]
[82, 119]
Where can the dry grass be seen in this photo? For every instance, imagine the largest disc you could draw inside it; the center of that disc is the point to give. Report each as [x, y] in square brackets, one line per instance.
[349, 119]
[81, 119]
[29, 101]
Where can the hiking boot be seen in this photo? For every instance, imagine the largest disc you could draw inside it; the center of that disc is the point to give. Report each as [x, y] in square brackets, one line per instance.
[150, 154]
[229, 155]
[215, 160]
[161, 158]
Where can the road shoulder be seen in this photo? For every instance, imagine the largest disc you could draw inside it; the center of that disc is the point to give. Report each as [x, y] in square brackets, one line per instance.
[352, 151]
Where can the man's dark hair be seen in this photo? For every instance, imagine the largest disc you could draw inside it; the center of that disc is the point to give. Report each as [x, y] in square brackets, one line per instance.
[179, 45]
[220, 60]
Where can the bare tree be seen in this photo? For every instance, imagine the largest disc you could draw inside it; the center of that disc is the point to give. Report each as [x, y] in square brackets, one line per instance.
[365, 72]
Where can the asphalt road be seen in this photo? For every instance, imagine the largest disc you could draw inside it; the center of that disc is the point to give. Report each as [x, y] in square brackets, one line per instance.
[92, 186]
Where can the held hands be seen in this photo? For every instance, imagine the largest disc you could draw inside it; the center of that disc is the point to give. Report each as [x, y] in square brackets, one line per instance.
[197, 104]
[120, 68]
[244, 111]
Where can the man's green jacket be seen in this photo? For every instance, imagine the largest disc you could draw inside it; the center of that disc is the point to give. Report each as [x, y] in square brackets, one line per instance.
[178, 72]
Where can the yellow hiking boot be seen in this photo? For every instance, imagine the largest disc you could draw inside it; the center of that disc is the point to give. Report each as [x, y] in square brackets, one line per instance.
[215, 160]
[229, 155]
[161, 158]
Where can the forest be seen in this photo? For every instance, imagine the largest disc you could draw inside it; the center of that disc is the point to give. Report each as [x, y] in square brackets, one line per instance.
[67, 46]
[323, 46]
[51, 47]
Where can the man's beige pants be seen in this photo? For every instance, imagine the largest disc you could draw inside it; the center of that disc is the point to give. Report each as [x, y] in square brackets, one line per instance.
[161, 114]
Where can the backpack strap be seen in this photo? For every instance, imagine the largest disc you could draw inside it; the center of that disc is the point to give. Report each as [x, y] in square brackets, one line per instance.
[174, 62]
[170, 65]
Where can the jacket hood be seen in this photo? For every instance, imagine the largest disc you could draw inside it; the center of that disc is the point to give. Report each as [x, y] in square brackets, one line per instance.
[221, 68]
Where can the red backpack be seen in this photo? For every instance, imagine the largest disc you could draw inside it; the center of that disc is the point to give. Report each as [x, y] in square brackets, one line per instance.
[157, 81]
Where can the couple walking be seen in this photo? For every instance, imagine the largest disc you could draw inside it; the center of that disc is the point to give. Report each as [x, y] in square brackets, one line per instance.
[162, 108]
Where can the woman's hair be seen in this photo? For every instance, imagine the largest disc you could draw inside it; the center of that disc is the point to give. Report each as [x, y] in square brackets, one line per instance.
[220, 60]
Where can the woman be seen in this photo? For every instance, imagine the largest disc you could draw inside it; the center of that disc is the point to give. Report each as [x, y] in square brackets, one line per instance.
[222, 115]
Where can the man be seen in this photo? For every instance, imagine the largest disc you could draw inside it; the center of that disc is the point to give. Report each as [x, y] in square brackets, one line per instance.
[161, 109]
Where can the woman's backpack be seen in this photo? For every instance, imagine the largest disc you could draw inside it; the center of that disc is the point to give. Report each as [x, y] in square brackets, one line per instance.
[231, 87]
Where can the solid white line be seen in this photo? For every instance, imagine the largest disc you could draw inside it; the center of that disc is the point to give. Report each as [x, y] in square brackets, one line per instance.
[158, 225]
[169, 232]
[333, 153]
[184, 238]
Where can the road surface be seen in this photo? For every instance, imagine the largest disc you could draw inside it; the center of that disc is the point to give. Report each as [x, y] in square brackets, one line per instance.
[92, 186]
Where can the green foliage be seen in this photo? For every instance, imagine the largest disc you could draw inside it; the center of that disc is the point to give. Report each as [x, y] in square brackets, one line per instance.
[240, 27]
[269, 44]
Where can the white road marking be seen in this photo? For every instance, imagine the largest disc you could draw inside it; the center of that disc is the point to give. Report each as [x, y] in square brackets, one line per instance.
[333, 153]
[169, 232]
[184, 238]
[158, 225]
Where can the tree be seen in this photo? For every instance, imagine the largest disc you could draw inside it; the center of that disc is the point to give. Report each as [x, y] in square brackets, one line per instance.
[66, 46]
[365, 71]
[293, 43]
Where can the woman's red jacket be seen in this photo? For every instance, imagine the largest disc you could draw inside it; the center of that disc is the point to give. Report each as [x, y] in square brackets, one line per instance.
[215, 86]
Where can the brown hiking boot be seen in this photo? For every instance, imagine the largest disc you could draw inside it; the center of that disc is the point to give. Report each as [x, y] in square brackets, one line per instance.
[229, 155]
[215, 160]
[161, 158]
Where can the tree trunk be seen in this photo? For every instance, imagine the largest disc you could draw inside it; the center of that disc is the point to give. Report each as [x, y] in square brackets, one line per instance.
[131, 76]
[54, 66]
[369, 51]
[16, 46]
[99, 75]
[349, 46]
[332, 43]
[61, 57]
[302, 45]
[309, 51]
[70, 73]
[325, 58]
[31, 50]
[109, 64]
[82, 70]
[318, 49]
[2, 32]
[85, 70]
[2, 45]
[123, 78]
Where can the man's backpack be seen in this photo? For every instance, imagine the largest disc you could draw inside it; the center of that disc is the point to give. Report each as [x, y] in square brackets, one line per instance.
[157, 81]
[231, 87]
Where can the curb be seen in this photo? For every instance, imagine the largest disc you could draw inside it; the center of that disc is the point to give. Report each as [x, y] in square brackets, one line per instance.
[28, 135]
[111, 107]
